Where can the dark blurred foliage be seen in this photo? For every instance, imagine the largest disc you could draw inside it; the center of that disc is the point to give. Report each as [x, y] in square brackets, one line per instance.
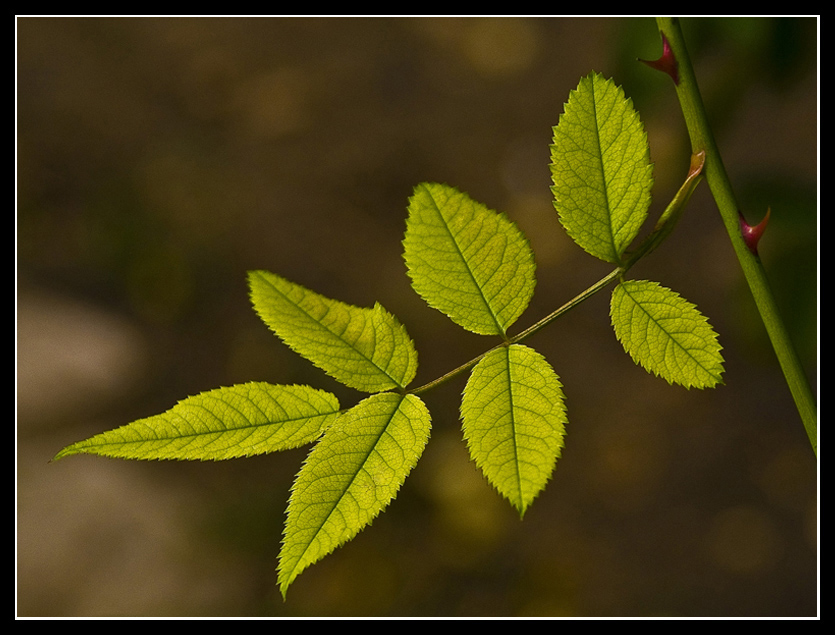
[158, 159]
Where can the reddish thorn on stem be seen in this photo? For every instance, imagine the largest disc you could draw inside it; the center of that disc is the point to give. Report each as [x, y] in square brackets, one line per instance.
[667, 62]
[751, 234]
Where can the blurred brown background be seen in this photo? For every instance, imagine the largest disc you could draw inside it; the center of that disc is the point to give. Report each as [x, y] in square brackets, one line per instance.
[160, 159]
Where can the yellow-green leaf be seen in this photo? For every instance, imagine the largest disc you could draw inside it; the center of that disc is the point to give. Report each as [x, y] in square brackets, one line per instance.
[600, 167]
[236, 421]
[514, 419]
[666, 334]
[351, 475]
[366, 349]
[466, 260]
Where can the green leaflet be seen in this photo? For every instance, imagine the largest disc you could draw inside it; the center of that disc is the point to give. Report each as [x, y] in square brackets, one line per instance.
[225, 423]
[366, 349]
[466, 260]
[600, 169]
[351, 476]
[666, 334]
[514, 421]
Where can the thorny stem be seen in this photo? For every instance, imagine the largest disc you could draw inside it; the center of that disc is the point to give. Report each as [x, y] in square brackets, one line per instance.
[701, 139]
[706, 162]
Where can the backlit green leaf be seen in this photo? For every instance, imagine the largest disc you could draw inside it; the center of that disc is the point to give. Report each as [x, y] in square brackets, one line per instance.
[600, 169]
[366, 349]
[351, 475]
[237, 421]
[466, 260]
[666, 334]
[514, 421]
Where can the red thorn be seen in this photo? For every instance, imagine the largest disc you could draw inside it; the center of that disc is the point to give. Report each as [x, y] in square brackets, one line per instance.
[752, 234]
[667, 62]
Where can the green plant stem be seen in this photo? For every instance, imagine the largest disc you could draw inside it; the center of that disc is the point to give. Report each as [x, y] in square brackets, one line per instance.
[575, 301]
[662, 229]
[701, 139]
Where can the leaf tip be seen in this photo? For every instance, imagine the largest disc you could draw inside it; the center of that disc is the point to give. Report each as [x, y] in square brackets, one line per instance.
[283, 586]
[65, 452]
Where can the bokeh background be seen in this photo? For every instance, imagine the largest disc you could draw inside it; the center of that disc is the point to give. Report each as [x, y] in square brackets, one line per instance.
[158, 159]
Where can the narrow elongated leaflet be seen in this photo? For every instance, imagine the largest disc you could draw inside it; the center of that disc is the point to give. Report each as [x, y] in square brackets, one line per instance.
[351, 475]
[600, 167]
[236, 421]
[666, 334]
[366, 349]
[514, 419]
[466, 260]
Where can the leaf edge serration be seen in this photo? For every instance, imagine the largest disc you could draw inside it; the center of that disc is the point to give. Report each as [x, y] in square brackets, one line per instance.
[713, 349]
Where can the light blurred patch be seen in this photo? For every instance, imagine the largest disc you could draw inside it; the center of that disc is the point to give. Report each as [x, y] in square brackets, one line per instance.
[471, 511]
[273, 103]
[501, 47]
[743, 540]
[70, 356]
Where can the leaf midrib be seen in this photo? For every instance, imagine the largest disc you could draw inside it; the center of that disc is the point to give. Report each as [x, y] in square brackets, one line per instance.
[495, 318]
[195, 435]
[597, 126]
[513, 428]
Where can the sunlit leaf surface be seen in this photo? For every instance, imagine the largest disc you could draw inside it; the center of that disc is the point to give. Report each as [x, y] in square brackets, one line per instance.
[514, 421]
[600, 167]
[351, 475]
[666, 334]
[366, 349]
[466, 260]
[225, 423]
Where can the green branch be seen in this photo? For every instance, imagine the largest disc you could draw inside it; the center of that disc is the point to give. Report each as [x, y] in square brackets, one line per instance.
[676, 62]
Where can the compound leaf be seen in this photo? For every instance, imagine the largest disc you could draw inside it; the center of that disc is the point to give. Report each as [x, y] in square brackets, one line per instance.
[236, 421]
[514, 421]
[666, 334]
[469, 262]
[351, 475]
[366, 349]
[600, 169]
